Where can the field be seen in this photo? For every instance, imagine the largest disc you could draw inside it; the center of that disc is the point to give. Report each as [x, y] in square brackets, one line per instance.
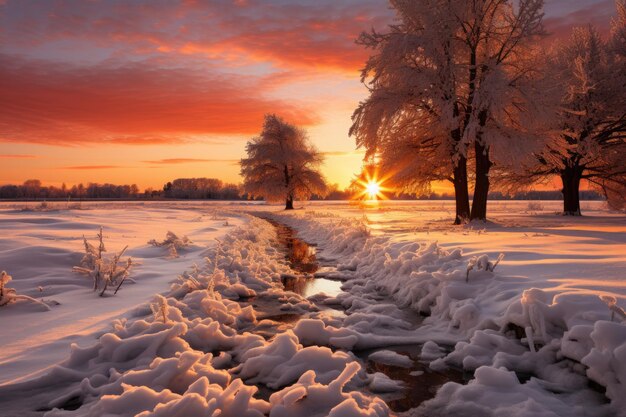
[415, 316]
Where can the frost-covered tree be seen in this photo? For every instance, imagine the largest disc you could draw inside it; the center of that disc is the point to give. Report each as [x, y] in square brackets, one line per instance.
[613, 178]
[589, 140]
[451, 78]
[505, 106]
[411, 120]
[282, 164]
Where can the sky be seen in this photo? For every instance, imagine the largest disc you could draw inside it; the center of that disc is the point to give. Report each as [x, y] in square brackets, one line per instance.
[147, 91]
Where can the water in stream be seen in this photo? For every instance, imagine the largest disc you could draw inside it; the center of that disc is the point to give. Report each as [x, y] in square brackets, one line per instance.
[302, 258]
[421, 383]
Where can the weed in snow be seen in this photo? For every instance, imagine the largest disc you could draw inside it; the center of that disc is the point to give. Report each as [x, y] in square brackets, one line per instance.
[160, 308]
[9, 295]
[103, 271]
[611, 303]
[534, 206]
[173, 243]
[482, 263]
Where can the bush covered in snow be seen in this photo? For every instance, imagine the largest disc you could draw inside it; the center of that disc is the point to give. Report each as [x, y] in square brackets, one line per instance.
[173, 243]
[9, 295]
[105, 272]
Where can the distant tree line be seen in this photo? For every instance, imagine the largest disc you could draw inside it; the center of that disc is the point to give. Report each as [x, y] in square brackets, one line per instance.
[202, 188]
[214, 189]
[33, 189]
[181, 188]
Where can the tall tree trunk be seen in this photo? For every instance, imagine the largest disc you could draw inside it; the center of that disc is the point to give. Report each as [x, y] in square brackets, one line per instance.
[289, 203]
[459, 176]
[461, 194]
[570, 177]
[481, 190]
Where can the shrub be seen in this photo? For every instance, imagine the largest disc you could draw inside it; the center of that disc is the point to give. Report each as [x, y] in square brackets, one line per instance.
[103, 271]
[9, 295]
[534, 206]
[173, 243]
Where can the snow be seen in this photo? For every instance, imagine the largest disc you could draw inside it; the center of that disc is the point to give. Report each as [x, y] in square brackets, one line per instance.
[382, 383]
[186, 339]
[389, 357]
[39, 249]
[551, 280]
[497, 392]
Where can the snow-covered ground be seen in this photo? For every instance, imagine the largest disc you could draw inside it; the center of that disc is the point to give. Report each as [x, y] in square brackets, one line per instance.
[39, 248]
[533, 331]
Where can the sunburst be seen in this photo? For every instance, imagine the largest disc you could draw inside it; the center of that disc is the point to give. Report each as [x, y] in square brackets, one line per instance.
[371, 187]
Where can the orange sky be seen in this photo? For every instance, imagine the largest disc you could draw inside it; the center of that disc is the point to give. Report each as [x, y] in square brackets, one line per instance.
[147, 91]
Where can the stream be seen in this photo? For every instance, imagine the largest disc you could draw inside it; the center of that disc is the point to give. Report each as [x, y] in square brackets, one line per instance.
[420, 382]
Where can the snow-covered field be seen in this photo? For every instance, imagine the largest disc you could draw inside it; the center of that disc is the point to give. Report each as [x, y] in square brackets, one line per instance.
[541, 332]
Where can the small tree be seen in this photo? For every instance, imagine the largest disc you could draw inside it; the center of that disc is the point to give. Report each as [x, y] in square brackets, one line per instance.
[282, 164]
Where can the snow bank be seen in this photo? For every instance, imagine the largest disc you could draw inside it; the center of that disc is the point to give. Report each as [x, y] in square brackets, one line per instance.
[39, 249]
[284, 360]
[311, 399]
[497, 323]
[190, 352]
[498, 392]
[389, 357]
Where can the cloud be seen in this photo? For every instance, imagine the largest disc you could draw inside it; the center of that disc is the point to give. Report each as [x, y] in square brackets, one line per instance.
[138, 103]
[174, 161]
[598, 14]
[77, 73]
[90, 167]
[295, 34]
[144, 73]
[299, 35]
[14, 156]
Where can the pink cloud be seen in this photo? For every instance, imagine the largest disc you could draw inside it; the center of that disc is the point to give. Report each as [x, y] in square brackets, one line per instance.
[137, 104]
[17, 156]
[598, 14]
[175, 161]
[90, 167]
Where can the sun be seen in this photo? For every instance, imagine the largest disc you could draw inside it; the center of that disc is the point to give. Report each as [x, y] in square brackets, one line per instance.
[373, 189]
[369, 185]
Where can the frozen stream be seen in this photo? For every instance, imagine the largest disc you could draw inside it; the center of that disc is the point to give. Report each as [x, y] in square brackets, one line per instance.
[421, 382]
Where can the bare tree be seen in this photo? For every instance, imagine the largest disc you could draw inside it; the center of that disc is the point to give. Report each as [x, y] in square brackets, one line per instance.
[282, 164]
